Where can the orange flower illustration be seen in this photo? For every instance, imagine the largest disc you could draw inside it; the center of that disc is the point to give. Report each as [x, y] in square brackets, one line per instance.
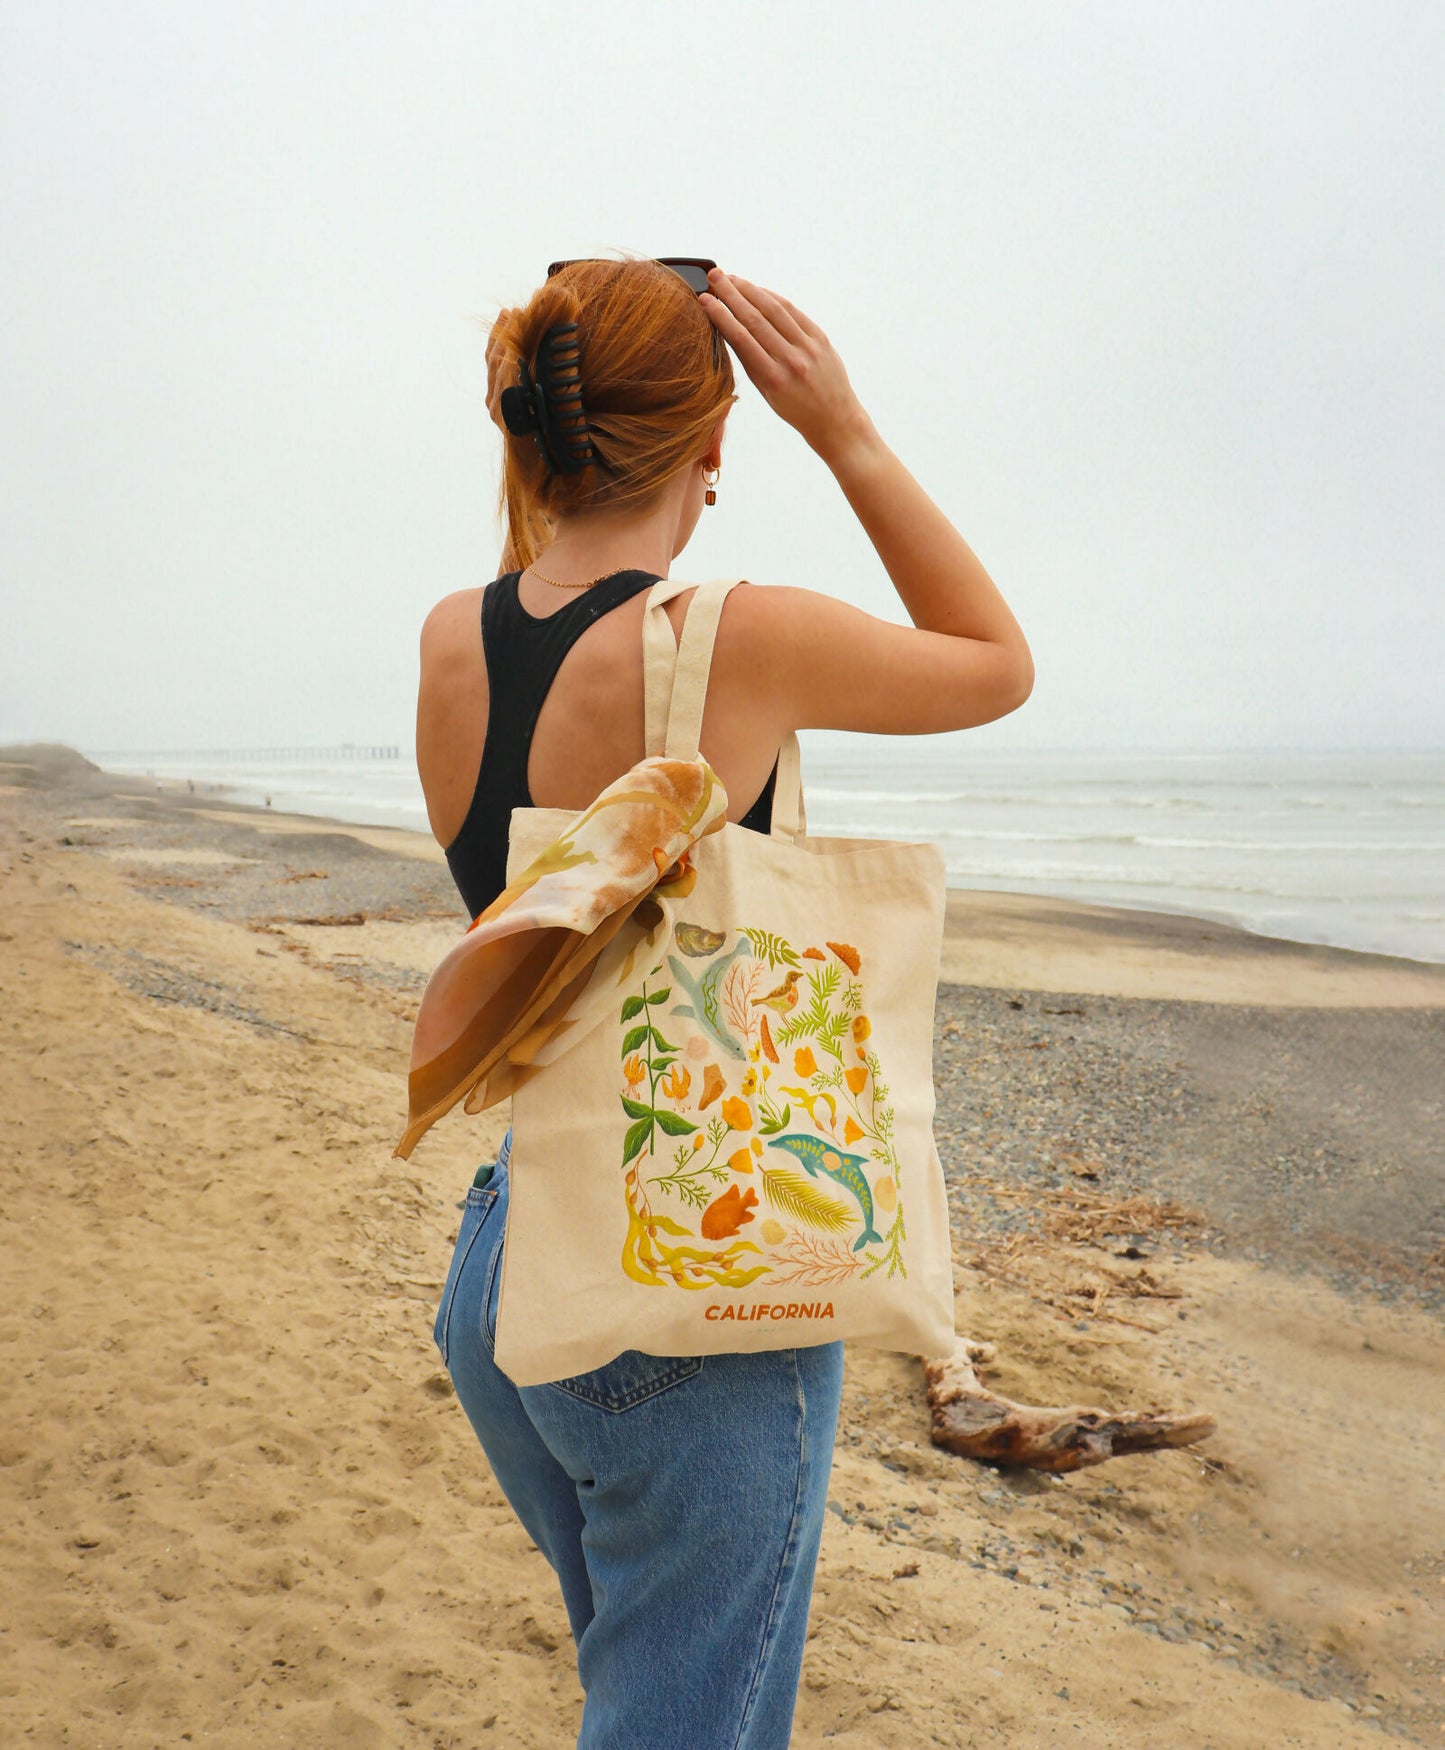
[848, 955]
[635, 1070]
[676, 1082]
[855, 1078]
[862, 1027]
[742, 1161]
[737, 1114]
[852, 1130]
[804, 1063]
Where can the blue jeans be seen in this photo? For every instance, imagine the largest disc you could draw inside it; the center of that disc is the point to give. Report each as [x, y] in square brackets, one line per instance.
[680, 1501]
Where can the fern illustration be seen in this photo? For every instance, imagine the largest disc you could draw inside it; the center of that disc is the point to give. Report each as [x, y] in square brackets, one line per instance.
[773, 949]
[816, 1015]
[795, 1195]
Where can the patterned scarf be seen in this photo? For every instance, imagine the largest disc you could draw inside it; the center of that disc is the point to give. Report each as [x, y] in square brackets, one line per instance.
[512, 995]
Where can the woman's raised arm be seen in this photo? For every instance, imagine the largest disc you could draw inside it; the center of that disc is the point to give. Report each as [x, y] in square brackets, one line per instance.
[967, 660]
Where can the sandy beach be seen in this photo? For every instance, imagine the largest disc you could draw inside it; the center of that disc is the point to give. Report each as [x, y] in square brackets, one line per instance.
[1190, 1168]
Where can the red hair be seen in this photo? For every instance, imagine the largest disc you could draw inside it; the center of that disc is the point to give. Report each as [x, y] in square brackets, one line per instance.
[655, 380]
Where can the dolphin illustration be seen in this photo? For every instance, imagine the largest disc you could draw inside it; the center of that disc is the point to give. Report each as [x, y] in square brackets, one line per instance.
[704, 997]
[844, 1170]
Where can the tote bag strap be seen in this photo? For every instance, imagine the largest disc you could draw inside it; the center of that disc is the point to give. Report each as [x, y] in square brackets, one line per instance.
[675, 676]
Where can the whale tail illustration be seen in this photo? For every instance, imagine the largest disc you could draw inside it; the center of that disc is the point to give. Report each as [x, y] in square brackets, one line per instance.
[867, 1237]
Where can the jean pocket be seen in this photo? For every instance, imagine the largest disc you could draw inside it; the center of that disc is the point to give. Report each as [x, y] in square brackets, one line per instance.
[479, 1205]
[629, 1380]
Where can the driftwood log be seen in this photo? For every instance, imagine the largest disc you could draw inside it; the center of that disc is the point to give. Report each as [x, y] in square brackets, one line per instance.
[972, 1421]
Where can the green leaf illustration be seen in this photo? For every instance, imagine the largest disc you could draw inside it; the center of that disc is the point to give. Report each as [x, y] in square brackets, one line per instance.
[659, 1041]
[635, 1108]
[634, 1038]
[766, 946]
[774, 1121]
[633, 1006]
[637, 1138]
[674, 1124]
[658, 996]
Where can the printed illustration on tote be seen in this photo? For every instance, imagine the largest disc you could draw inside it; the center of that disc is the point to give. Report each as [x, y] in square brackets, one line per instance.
[759, 1138]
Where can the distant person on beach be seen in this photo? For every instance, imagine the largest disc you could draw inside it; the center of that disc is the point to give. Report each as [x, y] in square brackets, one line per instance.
[681, 1507]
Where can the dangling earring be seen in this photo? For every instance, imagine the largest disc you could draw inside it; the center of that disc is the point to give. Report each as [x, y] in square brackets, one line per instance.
[710, 496]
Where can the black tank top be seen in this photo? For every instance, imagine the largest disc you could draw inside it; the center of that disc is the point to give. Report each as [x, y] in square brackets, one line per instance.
[523, 654]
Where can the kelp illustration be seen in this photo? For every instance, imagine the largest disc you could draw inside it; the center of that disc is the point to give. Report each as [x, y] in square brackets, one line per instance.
[777, 1161]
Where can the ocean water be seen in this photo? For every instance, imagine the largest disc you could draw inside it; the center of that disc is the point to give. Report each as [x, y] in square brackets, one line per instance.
[1345, 848]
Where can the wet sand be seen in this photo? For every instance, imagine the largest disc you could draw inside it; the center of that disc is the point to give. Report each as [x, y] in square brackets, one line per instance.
[1189, 1168]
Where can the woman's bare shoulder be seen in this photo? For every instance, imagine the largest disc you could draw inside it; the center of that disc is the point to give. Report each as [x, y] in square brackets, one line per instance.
[452, 624]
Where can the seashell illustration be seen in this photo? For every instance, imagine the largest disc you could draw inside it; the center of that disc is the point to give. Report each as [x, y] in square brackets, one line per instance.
[693, 939]
[886, 1193]
[713, 1083]
[773, 1232]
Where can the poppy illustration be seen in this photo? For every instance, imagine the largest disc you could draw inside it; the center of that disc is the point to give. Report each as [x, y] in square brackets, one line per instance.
[737, 1114]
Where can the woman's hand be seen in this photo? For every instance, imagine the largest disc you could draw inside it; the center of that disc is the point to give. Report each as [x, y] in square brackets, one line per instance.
[791, 361]
[496, 353]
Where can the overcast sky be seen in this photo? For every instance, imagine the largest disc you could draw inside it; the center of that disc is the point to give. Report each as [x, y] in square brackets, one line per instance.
[1148, 295]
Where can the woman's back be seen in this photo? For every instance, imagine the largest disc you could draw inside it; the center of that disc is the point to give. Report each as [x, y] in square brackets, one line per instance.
[590, 726]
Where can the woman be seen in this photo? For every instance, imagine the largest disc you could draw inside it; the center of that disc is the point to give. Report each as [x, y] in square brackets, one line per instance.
[679, 1501]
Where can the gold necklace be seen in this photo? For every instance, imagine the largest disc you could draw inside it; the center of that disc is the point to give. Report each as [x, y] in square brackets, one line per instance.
[591, 581]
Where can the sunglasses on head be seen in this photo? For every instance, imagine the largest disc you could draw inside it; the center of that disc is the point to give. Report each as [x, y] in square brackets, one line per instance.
[691, 269]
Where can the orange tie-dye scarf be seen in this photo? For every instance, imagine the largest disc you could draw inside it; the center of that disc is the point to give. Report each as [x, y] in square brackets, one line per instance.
[504, 1001]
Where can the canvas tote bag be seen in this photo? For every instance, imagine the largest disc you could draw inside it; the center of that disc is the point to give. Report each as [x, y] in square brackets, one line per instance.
[738, 1152]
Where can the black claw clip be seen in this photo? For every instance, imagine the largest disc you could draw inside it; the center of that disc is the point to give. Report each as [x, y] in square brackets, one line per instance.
[548, 407]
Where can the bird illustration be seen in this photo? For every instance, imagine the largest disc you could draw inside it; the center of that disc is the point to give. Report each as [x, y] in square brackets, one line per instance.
[844, 1170]
[704, 996]
[785, 997]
